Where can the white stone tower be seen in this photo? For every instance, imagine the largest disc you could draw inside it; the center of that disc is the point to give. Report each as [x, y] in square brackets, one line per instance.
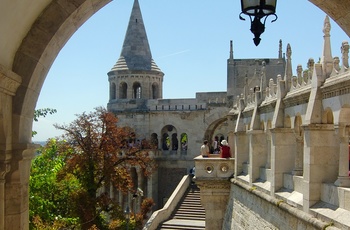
[135, 76]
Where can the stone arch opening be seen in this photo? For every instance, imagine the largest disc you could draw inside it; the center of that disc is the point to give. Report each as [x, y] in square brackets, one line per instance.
[287, 122]
[123, 89]
[137, 90]
[113, 91]
[268, 139]
[155, 91]
[169, 138]
[214, 129]
[49, 36]
[154, 140]
[184, 142]
[299, 148]
[327, 117]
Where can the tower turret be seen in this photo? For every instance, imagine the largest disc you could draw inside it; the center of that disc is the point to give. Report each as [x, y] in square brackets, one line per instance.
[135, 75]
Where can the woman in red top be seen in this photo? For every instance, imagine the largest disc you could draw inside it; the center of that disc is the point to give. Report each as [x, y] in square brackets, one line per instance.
[225, 150]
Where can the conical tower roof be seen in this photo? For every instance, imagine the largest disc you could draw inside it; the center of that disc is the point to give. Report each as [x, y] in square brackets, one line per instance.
[136, 52]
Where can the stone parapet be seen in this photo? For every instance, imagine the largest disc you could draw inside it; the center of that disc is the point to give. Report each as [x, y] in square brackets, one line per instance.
[212, 175]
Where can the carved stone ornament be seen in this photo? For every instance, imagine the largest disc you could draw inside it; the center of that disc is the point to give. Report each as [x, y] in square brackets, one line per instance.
[224, 168]
[9, 81]
[209, 168]
[4, 169]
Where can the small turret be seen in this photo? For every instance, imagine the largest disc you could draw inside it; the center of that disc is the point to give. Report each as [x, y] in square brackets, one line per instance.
[135, 75]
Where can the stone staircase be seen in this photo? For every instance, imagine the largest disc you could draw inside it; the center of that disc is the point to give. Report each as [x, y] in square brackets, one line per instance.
[189, 213]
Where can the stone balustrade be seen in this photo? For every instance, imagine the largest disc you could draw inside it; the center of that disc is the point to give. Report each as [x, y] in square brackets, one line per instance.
[214, 167]
[212, 175]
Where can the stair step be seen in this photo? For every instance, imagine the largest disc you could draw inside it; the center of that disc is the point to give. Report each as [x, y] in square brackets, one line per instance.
[189, 218]
[189, 214]
[183, 224]
[180, 227]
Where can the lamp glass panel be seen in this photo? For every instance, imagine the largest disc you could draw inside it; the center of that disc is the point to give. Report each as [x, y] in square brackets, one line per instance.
[270, 7]
[249, 6]
[250, 3]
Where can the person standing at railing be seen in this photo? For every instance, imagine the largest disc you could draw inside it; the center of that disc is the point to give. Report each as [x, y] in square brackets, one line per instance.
[205, 149]
[216, 146]
[225, 150]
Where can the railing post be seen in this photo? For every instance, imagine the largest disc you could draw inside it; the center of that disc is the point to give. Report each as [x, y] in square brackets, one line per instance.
[212, 176]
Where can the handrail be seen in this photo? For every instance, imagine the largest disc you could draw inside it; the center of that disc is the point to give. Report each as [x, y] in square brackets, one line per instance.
[163, 214]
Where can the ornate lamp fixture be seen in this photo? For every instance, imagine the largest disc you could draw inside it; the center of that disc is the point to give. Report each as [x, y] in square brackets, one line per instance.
[258, 9]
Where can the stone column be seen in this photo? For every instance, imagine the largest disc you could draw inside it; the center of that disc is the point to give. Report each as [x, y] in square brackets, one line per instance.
[12, 170]
[17, 188]
[213, 178]
[268, 149]
[282, 155]
[298, 160]
[4, 169]
[214, 198]
[343, 174]
[231, 142]
[241, 151]
[321, 161]
[257, 153]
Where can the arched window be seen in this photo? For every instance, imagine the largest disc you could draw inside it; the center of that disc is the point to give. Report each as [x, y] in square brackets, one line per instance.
[174, 141]
[154, 140]
[169, 139]
[113, 91]
[184, 142]
[299, 150]
[165, 142]
[123, 87]
[137, 91]
[155, 91]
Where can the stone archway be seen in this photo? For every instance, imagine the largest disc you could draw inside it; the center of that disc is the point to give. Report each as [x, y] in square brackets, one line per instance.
[23, 69]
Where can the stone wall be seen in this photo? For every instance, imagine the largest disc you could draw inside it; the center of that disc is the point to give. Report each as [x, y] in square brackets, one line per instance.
[248, 209]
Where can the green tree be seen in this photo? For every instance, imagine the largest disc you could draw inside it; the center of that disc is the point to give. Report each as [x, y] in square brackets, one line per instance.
[49, 197]
[100, 156]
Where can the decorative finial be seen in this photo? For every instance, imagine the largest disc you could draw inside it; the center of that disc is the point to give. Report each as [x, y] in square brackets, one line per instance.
[326, 26]
[289, 51]
[280, 49]
[345, 53]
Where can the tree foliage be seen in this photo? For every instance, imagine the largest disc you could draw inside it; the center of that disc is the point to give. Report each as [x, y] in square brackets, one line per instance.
[102, 155]
[69, 174]
[42, 113]
[50, 198]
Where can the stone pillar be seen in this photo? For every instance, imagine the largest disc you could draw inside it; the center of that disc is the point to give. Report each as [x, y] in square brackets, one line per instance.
[213, 178]
[321, 161]
[343, 174]
[282, 155]
[299, 156]
[231, 142]
[268, 149]
[241, 151]
[214, 198]
[257, 153]
[4, 169]
[14, 168]
[17, 188]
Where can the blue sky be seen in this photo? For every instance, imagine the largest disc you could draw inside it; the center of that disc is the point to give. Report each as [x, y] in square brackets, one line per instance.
[189, 42]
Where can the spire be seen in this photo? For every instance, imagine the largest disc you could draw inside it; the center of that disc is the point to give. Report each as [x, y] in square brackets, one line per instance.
[136, 52]
[327, 60]
[288, 71]
[231, 50]
[280, 50]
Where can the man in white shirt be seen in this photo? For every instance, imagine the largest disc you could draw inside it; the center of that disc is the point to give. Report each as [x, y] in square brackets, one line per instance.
[205, 149]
